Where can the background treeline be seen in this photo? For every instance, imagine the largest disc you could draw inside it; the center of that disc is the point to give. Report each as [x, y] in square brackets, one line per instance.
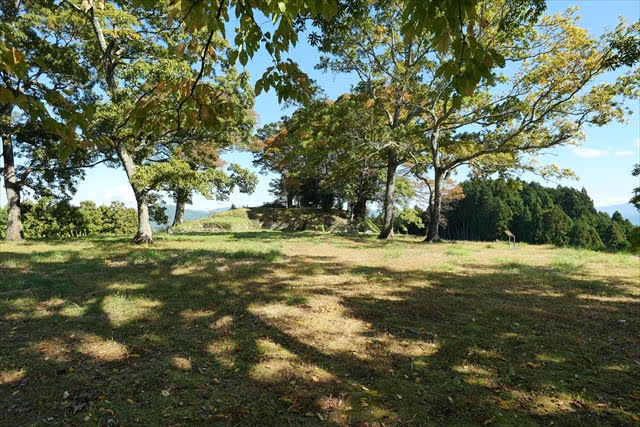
[58, 218]
[561, 216]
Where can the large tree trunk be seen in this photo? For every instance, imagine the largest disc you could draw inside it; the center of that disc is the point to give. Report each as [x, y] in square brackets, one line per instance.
[359, 208]
[181, 201]
[12, 188]
[392, 165]
[435, 200]
[144, 233]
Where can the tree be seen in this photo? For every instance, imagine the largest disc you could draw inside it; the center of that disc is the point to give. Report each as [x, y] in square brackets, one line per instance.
[535, 214]
[185, 162]
[584, 235]
[118, 219]
[371, 45]
[91, 221]
[325, 152]
[635, 200]
[452, 193]
[634, 239]
[409, 61]
[441, 24]
[150, 94]
[556, 226]
[614, 237]
[180, 177]
[546, 102]
[41, 100]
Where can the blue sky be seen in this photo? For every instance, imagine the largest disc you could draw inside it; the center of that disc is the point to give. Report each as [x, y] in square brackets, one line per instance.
[603, 163]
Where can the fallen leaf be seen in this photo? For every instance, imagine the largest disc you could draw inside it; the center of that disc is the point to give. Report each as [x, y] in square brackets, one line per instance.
[165, 393]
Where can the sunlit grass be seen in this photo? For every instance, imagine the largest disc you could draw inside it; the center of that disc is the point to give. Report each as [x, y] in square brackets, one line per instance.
[277, 328]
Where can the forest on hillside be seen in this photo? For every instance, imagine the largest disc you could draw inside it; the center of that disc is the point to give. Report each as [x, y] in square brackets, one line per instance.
[561, 216]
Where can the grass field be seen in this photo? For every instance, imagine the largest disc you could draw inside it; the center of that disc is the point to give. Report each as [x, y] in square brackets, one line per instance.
[272, 328]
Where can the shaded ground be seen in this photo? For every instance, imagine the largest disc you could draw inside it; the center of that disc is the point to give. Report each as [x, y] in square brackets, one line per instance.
[271, 328]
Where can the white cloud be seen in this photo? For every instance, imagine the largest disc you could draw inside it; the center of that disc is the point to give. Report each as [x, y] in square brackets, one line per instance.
[623, 153]
[589, 153]
[121, 193]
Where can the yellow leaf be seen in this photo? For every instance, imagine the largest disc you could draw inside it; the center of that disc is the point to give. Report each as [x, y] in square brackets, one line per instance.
[17, 56]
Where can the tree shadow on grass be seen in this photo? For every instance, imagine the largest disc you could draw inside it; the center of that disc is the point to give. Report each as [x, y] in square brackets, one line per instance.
[201, 336]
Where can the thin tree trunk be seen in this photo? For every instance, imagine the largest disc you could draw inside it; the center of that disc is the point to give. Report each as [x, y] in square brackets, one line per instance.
[181, 201]
[12, 188]
[433, 234]
[392, 165]
[144, 233]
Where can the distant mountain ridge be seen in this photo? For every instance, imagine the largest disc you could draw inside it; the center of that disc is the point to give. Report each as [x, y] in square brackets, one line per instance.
[189, 214]
[627, 210]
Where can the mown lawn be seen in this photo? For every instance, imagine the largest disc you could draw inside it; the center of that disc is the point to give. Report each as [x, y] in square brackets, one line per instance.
[271, 328]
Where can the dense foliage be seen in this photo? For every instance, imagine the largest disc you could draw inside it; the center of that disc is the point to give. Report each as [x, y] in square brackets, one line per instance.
[58, 218]
[561, 216]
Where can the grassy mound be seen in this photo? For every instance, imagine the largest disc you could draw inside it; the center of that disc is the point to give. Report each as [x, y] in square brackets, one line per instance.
[246, 219]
